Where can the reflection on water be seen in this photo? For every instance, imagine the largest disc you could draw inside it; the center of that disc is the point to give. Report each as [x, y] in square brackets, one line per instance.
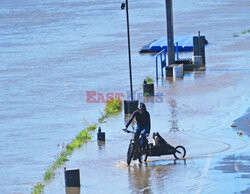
[173, 120]
[200, 72]
[152, 176]
[139, 178]
[184, 161]
[150, 99]
[101, 145]
[73, 190]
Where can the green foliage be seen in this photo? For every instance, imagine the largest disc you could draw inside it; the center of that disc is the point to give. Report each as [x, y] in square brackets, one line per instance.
[235, 35]
[113, 107]
[38, 188]
[149, 80]
[81, 138]
[48, 174]
[91, 128]
[243, 33]
[101, 120]
[61, 159]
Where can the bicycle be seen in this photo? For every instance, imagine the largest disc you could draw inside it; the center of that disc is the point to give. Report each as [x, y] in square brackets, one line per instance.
[160, 148]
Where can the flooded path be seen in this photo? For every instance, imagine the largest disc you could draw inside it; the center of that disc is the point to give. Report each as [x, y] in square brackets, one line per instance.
[47, 45]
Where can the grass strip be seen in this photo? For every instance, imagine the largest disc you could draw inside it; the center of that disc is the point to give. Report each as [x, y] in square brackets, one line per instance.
[38, 188]
[81, 138]
[244, 32]
[112, 108]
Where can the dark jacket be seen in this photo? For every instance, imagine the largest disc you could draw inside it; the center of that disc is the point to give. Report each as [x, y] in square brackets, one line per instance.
[143, 120]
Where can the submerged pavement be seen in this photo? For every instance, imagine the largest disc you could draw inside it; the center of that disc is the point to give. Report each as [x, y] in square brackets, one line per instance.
[196, 112]
[217, 158]
[54, 51]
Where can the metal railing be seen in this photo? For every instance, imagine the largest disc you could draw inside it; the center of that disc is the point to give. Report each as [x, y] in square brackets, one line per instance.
[163, 59]
[177, 50]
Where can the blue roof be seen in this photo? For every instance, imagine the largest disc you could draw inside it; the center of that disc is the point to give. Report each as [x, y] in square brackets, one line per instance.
[185, 43]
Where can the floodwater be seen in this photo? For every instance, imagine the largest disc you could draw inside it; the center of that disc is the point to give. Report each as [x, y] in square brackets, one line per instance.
[52, 52]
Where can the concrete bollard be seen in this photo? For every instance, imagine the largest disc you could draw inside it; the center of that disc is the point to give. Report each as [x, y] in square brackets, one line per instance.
[72, 177]
[148, 89]
[130, 106]
[178, 71]
[197, 61]
[100, 135]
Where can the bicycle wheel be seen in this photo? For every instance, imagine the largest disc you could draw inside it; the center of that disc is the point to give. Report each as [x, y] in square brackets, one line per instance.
[180, 152]
[130, 153]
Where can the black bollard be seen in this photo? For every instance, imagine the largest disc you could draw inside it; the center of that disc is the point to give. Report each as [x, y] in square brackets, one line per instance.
[169, 71]
[100, 135]
[148, 89]
[72, 177]
[199, 47]
[130, 106]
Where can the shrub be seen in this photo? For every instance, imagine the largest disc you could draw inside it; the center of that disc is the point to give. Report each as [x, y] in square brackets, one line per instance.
[113, 107]
[149, 80]
[38, 188]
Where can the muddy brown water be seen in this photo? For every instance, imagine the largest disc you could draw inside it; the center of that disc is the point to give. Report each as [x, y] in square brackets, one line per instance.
[47, 45]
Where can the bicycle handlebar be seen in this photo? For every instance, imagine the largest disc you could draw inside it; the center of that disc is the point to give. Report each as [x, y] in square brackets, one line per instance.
[127, 131]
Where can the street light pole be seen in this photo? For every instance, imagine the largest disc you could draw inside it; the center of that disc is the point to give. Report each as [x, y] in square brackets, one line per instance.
[170, 32]
[129, 106]
[129, 52]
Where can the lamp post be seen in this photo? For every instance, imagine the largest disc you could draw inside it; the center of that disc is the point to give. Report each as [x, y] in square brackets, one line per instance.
[170, 32]
[129, 106]
[129, 50]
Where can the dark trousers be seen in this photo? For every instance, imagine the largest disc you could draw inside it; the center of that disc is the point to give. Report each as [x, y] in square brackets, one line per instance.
[141, 131]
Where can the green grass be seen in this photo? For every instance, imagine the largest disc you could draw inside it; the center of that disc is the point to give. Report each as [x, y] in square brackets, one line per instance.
[236, 35]
[112, 107]
[49, 174]
[81, 138]
[102, 119]
[38, 188]
[244, 32]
